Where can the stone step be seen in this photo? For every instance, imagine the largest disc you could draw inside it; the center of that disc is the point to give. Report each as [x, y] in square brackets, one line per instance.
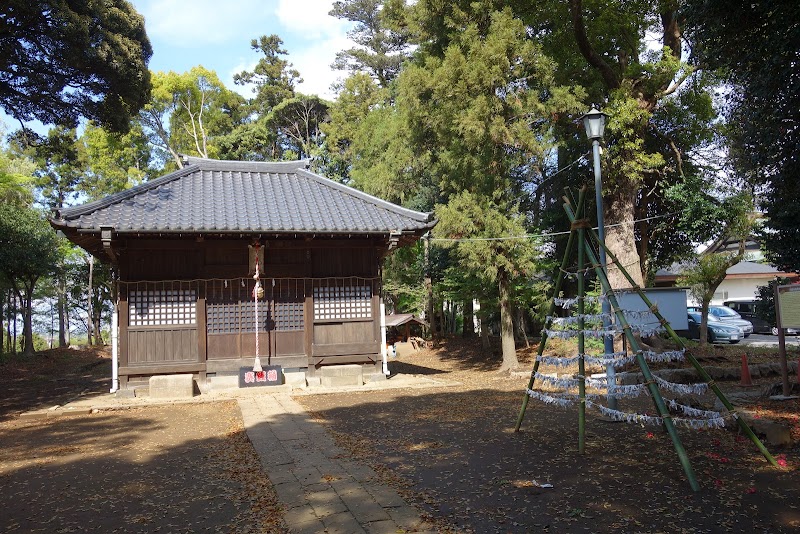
[341, 375]
[171, 386]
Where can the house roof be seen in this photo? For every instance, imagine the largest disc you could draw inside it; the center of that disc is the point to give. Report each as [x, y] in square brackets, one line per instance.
[213, 196]
[743, 269]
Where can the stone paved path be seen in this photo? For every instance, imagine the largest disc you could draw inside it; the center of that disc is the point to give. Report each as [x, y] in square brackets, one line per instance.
[322, 489]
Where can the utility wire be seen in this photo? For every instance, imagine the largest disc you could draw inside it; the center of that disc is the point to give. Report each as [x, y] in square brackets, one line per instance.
[546, 234]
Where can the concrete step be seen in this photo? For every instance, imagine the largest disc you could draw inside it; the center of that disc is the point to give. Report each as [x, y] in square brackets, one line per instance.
[341, 375]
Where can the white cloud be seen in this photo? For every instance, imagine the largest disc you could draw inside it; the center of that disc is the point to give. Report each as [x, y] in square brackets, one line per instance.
[314, 64]
[185, 33]
[188, 23]
[310, 18]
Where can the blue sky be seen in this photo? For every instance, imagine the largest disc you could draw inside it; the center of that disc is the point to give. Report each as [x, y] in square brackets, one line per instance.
[217, 35]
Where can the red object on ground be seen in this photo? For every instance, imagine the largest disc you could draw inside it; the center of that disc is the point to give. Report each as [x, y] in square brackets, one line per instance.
[746, 378]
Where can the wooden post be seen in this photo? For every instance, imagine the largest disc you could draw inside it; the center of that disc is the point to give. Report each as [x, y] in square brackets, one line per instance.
[787, 389]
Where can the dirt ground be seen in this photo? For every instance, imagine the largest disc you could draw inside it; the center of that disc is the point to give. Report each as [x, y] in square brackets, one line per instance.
[449, 450]
[453, 453]
[178, 468]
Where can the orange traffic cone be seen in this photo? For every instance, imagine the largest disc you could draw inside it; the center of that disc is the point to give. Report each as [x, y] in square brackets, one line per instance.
[747, 380]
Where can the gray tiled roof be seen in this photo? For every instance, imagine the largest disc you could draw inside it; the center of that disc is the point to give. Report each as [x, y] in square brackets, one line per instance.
[234, 196]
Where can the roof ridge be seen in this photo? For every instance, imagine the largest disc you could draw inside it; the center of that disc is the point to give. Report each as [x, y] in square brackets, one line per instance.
[251, 166]
[385, 204]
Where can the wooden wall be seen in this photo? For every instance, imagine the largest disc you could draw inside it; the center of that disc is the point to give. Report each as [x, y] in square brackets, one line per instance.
[315, 262]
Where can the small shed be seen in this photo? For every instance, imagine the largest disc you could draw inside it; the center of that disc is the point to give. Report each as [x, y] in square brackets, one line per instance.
[399, 325]
[184, 249]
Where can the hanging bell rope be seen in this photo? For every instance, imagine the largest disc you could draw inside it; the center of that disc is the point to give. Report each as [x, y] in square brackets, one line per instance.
[258, 293]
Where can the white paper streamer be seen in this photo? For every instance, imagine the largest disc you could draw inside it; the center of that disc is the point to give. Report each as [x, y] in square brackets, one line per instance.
[693, 412]
[569, 334]
[695, 424]
[617, 359]
[574, 319]
[683, 389]
[558, 381]
[715, 420]
[567, 303]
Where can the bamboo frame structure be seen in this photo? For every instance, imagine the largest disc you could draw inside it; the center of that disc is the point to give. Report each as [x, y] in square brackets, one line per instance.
[579, 229]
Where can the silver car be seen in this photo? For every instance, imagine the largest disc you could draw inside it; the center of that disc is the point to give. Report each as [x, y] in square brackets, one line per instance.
[727, 316]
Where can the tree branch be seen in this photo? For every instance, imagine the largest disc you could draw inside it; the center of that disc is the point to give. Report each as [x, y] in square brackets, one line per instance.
[579, 29]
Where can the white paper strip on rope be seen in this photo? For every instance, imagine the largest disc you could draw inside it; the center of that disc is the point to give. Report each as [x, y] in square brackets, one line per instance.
[643, 330]
[617, 359]
[565, 401]
[551, 399]
[569, 334]
[695, 424]
[567, 303]
[596, 318]
[683, 389]
[666, 356]
[562, 382]
[693, 412]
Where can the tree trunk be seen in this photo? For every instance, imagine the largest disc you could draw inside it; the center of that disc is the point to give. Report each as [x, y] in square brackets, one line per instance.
[27, 321]
[620, 238]
[468, 330]
[2, 321]
[704, 323]
[98, 332]
[15, 311]
[521, 324]
[63, 325]
[507, 324]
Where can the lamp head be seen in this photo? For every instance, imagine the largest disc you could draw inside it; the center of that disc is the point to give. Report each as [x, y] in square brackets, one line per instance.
[595, 123]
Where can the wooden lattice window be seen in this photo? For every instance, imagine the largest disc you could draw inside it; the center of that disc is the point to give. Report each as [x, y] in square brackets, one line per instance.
[230, 307]
[345, 302]
[289, 316]
[162, 307]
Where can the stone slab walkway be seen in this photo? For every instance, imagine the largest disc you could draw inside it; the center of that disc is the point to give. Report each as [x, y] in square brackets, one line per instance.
[322, 489]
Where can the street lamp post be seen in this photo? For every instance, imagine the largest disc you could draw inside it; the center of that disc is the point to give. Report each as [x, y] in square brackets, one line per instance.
[595, 122]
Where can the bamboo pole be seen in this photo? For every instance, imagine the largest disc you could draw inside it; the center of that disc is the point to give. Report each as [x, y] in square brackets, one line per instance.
[658, 401]
[564, 263]
[692, 360]
[581, 225]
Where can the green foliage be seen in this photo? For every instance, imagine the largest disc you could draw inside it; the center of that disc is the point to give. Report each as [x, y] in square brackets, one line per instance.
[59, 163]
[382, 42]
[297, 121]
[28, 252]
[272, 78]
[186, 114]
[755, 46]
[115, 162]
[469, 216]
[707, 274]
[16, 178]
[765, 300]
[61, 61]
